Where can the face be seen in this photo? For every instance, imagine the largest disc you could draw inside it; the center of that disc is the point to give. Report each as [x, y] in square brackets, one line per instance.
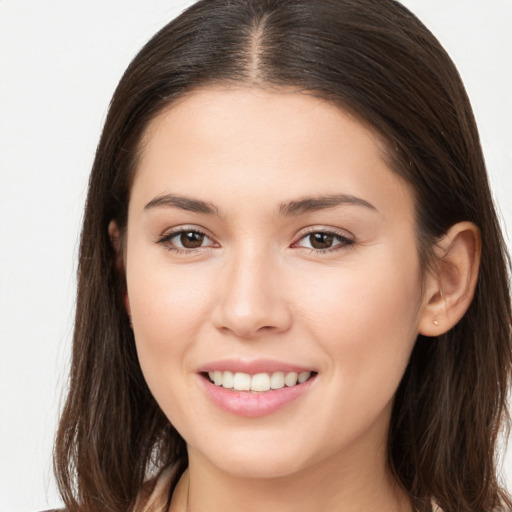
[273, 280]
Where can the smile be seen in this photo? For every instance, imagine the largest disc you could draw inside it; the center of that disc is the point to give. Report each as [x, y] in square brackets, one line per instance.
[258, 393]
[260, 382]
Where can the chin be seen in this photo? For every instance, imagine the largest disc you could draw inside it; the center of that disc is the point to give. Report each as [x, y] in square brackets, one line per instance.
[257, 458]
[258, 468]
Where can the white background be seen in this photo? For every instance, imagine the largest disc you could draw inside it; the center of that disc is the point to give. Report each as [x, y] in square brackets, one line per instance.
[60, 61]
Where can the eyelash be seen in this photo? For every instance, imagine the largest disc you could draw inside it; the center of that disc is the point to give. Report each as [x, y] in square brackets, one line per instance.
[344, 242]
[166, 239]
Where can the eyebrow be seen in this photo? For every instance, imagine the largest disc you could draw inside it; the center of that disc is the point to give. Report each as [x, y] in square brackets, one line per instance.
[295, 207]
[311, 204]
[184, 203]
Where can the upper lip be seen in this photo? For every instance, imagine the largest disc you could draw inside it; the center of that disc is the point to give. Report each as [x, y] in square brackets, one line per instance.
[252, 367]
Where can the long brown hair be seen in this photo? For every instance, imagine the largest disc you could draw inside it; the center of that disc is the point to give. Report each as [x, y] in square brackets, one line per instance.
[376, 59]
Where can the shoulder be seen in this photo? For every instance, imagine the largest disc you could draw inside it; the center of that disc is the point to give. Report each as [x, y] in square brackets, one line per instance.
[155, 493]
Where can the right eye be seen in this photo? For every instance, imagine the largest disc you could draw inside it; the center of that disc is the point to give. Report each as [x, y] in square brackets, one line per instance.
[183, 240]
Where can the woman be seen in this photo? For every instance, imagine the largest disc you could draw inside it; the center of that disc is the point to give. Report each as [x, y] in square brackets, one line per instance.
[292, 284]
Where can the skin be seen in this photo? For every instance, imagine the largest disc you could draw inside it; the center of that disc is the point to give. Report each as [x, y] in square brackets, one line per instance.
[255, 288]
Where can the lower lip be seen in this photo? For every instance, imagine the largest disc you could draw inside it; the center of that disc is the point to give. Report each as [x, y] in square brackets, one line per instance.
[254, 404]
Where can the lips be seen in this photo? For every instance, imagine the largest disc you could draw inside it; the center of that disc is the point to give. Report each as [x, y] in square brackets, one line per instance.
[257, 388]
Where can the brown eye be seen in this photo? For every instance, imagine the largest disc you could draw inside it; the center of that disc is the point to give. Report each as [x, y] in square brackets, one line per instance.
[186, 240]
[321, 240]
[191, 239]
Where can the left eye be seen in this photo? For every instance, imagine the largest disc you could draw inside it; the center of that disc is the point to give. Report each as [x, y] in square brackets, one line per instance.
[323, 240]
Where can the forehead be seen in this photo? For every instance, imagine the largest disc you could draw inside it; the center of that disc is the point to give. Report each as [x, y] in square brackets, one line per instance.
[254, 108]
[246, 139]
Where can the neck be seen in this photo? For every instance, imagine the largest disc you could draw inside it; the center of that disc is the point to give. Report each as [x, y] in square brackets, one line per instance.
[326, 486]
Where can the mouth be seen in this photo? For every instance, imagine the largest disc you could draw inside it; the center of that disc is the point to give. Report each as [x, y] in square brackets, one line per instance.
[256, 388]
[257, 383]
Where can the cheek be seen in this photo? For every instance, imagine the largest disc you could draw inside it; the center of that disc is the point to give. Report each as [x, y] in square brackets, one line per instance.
[353, 300]
[366, 324]
[366, 318]
[167, 306]
[165, 300]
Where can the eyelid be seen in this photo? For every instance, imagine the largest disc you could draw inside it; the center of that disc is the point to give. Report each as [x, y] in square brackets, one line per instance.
[165, 238]
[347, 237]
[344, 237]
[343, 233]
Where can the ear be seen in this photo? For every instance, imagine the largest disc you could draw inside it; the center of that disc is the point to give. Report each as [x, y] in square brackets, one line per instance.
[115, 240]
[450, 286]
[113, 233]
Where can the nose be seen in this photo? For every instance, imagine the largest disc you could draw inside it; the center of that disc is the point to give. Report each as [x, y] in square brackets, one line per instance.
[251, 296]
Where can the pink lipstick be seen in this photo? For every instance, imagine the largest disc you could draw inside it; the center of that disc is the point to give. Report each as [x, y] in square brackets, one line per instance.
[255, 388]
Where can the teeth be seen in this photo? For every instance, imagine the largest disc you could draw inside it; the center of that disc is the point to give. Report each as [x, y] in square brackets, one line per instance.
[303, 377]
[228, 380]
[290, 379]
[277, 380]
[217, 378]
[242, 381]
[260, 382]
